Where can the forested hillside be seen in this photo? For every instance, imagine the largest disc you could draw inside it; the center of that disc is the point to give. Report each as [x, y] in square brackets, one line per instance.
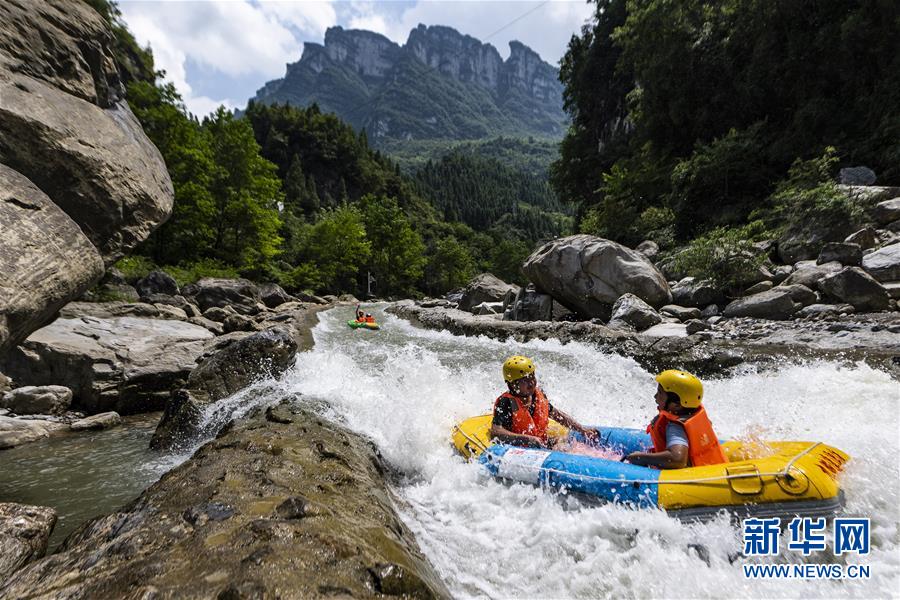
[296, 196]
[687, 115]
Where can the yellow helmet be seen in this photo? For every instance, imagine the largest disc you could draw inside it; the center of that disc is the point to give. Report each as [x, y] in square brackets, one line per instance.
[687, 386]
[517, 367]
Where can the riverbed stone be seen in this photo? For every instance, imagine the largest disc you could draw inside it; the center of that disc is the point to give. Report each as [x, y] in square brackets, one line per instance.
[99, 421]
[648, 248]
[273, 295]
[712, 310]
[24, 533]
[588, 274]
[690, 291]
[127, 364]
[800, 293]
[887, 211]
[846, 253]
[808, 273]
[825, 310]
[865, 238]
[485, 288]
[635, 312]
[231, 367]
[15, 432]
[856, 176]
[240, 295]
[682, 313]
[37, 400]
[156, 282]
[665, 330]
[267, 509]
[884, 263]
[776, 304]
[762, 286]
[856, 287]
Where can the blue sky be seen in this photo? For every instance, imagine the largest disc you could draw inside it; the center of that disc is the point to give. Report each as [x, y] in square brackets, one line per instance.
[221, 51]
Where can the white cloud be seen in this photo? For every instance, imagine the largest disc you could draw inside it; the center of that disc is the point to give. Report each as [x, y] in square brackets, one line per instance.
[309, 16]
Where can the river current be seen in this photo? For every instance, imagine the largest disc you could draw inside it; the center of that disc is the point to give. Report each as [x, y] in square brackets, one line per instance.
[405, 387]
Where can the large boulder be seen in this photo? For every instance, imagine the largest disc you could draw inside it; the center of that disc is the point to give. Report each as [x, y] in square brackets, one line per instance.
[776, 304]
[883, 264]
[846, 253]
[15, 432]
[854, 286]
[865, 238]
[588, 274]
[209, 292]
[45, 258]
[127, 364]
[800, 293]
[856, 176]
[485, 288]
[273, 295]
[808, 273]
[530, 305]
[156, 282]
[219, 375]
[69, 145]
[887, 211]
[281, 505]
[37, 400]
[635, 312]
[24, 532]
[690, 291]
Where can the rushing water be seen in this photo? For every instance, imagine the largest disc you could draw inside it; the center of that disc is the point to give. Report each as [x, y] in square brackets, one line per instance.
[405, 388]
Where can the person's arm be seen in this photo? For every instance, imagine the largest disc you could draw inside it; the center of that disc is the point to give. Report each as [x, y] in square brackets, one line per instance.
[502, 423]
[673, 457]
[567, 421]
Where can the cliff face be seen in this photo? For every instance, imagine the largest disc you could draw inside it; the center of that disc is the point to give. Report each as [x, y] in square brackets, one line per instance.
[80, 183]
[440, 85]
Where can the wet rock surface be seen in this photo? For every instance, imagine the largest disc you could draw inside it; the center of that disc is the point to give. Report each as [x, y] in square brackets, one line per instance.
[15, 432]
[24, 531]
[37, 400]
[728, 342]
[282, 504]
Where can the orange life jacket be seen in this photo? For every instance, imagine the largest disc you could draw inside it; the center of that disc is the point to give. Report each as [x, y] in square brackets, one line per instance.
[703, 445]
[370, 319]
[523, 422]
[360, 319]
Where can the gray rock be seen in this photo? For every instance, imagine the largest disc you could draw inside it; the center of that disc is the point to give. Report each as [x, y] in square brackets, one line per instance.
[887, 211]
[531, 305]
[781, 273]
[824, 310]
[800, 293]
[484, 288]
[219, 375]
[434, 303]
[24, 532]
[648, 248]
[846, 253]
[857, 176]
[128, 364]
[691, 292]
[180, 302]
[238, 323]
[716, 319]
[157, 282]
[65, 124]
[100, 421]
[212, 326]
[762, 286]
[15, 432]
[272, 295]
[682, 313]
[488, 308]
[893, 288]
[588, 274]
[216, 313]
[241, 295]
[854, 286]
[664, 330]
[776, 304]
[311, 298]
[38, 400]
[865, 238]
[6, 383]
[695, 326]
[883, 264]
[632, 310]
[45, 259]
[809, 274]
[712, 310]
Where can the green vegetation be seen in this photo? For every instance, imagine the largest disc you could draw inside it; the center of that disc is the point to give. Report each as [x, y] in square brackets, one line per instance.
[730, 95]
[724, 256]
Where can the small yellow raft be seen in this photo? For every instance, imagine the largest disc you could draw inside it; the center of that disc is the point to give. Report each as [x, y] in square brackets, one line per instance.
[760, 479]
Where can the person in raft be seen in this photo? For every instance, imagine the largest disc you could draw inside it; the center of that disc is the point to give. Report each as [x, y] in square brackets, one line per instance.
[682, 434]
[360, 316]
[521, 415]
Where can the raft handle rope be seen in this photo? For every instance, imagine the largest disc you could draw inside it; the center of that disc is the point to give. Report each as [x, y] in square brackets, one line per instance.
[475, 441]
[784, 473]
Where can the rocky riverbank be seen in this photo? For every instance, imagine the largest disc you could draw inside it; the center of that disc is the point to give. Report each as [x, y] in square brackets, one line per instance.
[726, 343]
[281, 504]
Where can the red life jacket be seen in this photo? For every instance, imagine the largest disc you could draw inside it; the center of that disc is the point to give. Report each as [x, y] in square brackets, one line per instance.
[703, 445]
[370, 319]
[523, 422]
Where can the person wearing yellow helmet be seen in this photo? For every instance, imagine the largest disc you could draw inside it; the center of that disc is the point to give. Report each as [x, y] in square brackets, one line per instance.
[522, 413]
[681, 433]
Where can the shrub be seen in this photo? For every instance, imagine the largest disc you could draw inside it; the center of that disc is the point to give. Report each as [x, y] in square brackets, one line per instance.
[135, 267]
[724, 256]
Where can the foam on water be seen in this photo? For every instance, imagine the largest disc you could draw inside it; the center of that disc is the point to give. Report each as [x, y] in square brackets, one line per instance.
[406, 387]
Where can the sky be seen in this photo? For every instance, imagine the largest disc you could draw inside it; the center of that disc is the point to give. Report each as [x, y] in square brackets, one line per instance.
[219, 52]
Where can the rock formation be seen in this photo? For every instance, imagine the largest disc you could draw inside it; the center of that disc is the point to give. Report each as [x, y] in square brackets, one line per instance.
[80, 183]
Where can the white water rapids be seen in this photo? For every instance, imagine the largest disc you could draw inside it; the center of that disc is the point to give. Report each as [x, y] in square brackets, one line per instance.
[406, 387]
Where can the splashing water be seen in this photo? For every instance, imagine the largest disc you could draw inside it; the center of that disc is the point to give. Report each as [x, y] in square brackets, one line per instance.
[406, 387]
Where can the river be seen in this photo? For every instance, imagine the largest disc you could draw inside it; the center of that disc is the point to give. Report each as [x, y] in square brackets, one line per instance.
[406, 387]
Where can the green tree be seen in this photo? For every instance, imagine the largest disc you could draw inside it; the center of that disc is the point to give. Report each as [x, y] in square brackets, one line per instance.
[450, 265]
[398, 254]
[333, 251]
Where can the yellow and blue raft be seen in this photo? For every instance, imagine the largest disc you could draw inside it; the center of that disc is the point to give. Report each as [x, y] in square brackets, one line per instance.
[760, 479]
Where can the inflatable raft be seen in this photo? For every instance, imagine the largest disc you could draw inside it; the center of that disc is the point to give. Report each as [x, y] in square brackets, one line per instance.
[353, 324]
[768, 479]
